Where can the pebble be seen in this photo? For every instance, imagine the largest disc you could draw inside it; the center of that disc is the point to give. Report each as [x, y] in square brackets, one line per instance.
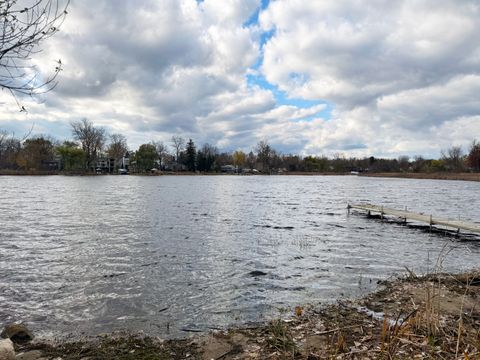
[30, 355]
[6, 350]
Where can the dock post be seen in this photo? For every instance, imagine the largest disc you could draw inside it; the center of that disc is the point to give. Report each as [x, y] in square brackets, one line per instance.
[381, 213]
[431, 222]
[405, 219]
[348, 209]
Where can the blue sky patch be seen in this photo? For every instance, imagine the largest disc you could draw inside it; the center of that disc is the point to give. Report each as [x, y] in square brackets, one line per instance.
[281, 98]
[253, 20]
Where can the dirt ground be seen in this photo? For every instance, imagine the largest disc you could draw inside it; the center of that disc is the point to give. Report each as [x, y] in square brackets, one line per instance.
[431, 317]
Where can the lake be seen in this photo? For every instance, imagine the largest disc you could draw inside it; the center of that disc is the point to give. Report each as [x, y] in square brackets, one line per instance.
[173, 254]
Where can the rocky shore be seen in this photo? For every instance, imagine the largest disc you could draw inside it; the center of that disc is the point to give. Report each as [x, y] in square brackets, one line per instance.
[436, 316]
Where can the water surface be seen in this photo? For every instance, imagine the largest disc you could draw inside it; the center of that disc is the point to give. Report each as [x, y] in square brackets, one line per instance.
[175, 253]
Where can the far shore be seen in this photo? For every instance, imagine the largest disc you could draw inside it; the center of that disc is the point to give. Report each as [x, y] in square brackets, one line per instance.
[433, 176]
[434, 316]
[402, 175]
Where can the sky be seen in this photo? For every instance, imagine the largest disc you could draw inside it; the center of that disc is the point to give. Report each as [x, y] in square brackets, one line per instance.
[320, 77]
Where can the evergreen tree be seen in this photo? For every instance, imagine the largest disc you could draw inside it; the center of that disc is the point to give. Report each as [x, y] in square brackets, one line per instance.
[191, 155]
[206, 157]
[473, 157]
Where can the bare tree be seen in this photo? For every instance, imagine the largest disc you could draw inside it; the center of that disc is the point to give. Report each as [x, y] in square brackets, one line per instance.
[178, 143]
[91, 138]
[10, 148]
[404, 162]
[419, 163]
[264, 155]
[23, 27]
[3, 138]
[162, 150]
[117, 147]
[454, 158]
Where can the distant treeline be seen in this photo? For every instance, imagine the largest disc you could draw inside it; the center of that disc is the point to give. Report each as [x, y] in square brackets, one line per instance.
[91, 149]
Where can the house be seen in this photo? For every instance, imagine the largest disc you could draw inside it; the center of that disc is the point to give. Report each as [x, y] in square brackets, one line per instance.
[124, 165]
[104, 165]
[229, 169]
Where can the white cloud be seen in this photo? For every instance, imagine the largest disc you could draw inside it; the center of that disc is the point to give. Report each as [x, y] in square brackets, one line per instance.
[402, 76]
[394, 70]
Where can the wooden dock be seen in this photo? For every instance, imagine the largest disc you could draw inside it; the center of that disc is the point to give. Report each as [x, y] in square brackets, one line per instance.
[409, 215]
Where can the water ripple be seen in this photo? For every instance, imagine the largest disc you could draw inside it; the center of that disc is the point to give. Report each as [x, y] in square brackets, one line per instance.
[169, 255]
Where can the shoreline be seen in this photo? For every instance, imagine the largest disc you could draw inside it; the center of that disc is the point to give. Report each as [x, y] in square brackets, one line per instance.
[426, 317]
[428, 176]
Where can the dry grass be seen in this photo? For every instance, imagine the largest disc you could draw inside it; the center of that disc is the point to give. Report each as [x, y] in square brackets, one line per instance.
[281, 339]
[434, 176]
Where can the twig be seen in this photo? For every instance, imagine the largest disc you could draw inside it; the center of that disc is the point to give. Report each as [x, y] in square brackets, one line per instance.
[338, 329]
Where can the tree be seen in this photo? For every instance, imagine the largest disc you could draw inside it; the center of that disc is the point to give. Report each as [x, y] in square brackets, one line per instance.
[264, 154]
[36, 152]
[162, 151]
[404, 162]
[206, 157]
[293, 163]
[23, 28]
[117, 147]
[190, 158]
[453, 158]
[313, 163]
[251, 160]
[10, 148]
[473, 157]
[146, 156]
[72, 157]
[3, 145]
[239, 158]
[92, 140]
[178, 143]
[419, 163]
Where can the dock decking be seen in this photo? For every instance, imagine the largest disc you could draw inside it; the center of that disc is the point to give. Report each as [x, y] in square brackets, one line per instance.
[409, 215]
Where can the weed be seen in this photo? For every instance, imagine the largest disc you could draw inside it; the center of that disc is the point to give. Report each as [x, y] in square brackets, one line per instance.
[281, 339]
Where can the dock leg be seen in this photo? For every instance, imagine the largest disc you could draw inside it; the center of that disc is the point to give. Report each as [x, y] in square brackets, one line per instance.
[381, 213]
[431, 223]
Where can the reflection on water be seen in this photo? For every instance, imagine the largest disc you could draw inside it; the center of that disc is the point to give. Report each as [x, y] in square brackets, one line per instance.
[168, 254]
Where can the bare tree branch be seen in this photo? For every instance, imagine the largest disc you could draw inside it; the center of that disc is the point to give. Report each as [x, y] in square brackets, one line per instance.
[22, 30]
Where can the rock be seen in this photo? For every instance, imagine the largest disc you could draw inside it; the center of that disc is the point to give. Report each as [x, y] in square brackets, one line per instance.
[6, 350]
[18, 333]
[257, 273]
[30, 355]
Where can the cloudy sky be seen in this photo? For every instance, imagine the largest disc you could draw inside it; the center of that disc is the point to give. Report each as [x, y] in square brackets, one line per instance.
[377, 77]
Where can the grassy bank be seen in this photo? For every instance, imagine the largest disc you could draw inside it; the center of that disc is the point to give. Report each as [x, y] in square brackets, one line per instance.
[26, 172]
[434, 176]
[430, 317]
